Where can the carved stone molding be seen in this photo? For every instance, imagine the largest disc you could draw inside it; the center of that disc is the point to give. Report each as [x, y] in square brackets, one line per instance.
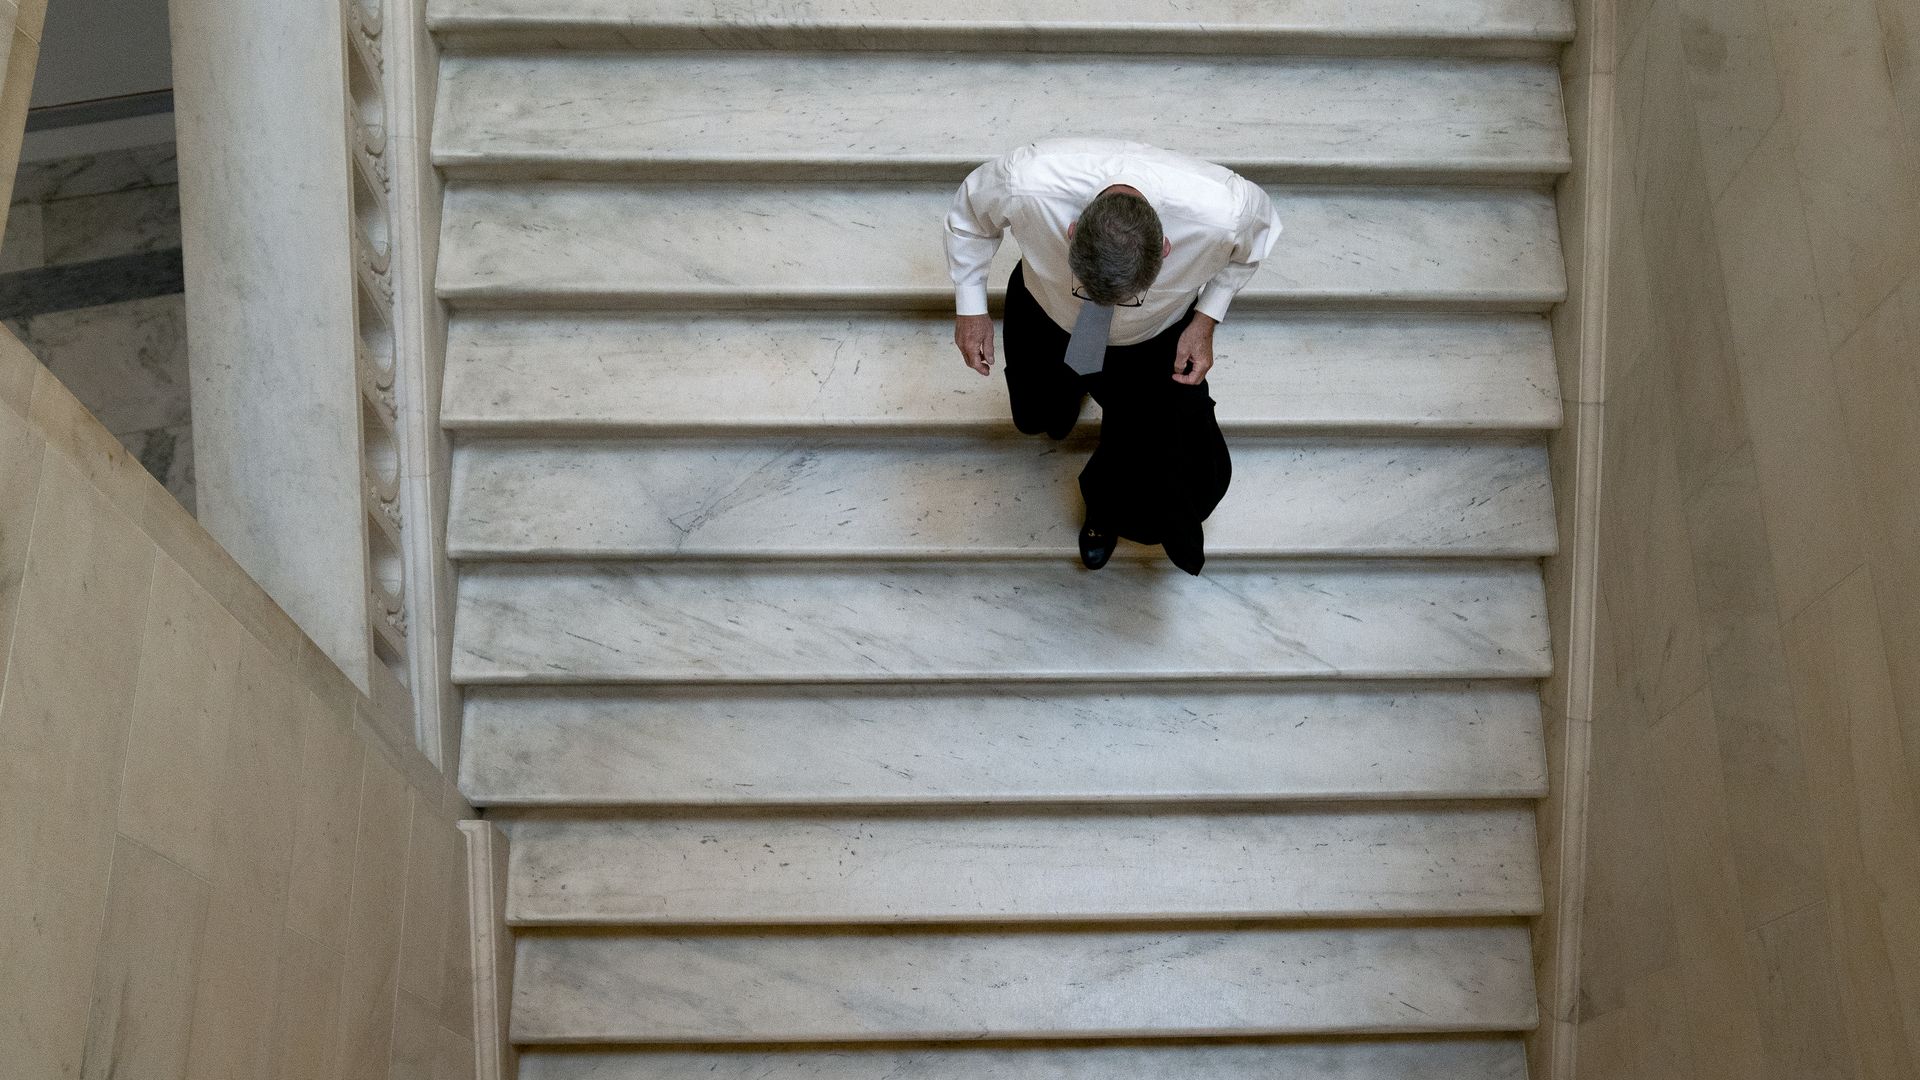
[392, 64]
[379, 373]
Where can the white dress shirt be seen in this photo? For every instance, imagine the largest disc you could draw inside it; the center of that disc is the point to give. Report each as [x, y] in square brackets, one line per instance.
[1220, 224]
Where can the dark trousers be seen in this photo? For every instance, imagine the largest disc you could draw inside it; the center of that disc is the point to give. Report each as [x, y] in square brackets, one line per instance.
[1162, 464]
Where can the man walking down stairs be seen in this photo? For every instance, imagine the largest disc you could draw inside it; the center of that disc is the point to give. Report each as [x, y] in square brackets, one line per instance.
[1101, 251]
[818, 753]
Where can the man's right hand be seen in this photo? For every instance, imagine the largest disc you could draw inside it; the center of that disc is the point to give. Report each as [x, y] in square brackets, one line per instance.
[973, 334]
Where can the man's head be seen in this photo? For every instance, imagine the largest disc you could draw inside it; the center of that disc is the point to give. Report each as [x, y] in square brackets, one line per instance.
[1116, 247]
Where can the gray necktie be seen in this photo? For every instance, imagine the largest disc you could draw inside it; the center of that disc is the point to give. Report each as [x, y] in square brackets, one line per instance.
[1087, 348]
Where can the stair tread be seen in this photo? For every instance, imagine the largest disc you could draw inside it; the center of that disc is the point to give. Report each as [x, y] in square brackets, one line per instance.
[967, 498]
[1397, 1059]
[516, 373]
[879, 245]
[917, 984]
[1002, 24]
[1001, 742]
[703, 114]
[789, 622]
[881, 866]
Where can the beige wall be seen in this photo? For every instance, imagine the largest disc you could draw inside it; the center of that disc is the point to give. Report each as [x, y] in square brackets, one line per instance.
[20, 24]
[1752, 892]
[217, 859]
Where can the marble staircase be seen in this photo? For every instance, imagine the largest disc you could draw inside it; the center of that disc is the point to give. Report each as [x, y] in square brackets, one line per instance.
[819, 755]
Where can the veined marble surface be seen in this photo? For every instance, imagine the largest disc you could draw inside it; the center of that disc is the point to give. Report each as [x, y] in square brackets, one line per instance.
[96, 174]
[722, 371]
[1236, 980]
[91, 215]
[93, 283]
[1529, 26]
[709, 114]
[967, 498]
[272, 322]
[1398, 1059]
[1002, 742]
[879, 245]
[968, 865]
[23, 245]
[93, 289]
[167, 454]
[796, 622]
[126, 362]
[114, 223]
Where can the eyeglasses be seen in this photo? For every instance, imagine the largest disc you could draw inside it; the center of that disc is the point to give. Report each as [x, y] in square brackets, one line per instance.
[1078, 294]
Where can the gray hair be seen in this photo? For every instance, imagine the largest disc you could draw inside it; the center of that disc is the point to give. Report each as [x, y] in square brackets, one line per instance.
[1116, 248]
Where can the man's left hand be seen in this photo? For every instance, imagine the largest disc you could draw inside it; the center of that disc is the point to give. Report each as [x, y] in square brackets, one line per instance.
[1193, 358]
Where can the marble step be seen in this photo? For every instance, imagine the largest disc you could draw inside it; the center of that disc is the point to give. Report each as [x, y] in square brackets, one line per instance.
[961, 497]
[1001, 742]
[880, 621]
[762, 116]
[683, 247]
[1273, 371]
[1485, 27]
[886, 984]
[1419, 860]
[1373, 1059]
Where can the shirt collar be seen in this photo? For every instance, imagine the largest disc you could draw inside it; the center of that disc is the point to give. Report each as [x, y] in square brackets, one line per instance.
[1134, 177]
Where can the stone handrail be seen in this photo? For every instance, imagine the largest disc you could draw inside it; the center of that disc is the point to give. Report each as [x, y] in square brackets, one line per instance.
[314, 333]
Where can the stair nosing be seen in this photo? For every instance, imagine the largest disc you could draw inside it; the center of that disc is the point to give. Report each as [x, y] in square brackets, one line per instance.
[479, 35]
[1475, 1056]
[1075, 1035]
[441, 21]
[1534, 660]
[1164, 677]
[736, 298]
[1125, 920]
[562, 801]
[1357, 171]
[546, 554]
[530, 428]
[1510, 711]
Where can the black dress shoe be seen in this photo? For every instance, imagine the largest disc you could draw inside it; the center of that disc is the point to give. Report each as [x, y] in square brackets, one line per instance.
[1187, 549]
[1096, 546]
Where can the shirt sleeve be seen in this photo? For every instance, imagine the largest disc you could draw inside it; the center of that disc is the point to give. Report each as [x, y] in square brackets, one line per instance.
[975, 224]
[1253, 240]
